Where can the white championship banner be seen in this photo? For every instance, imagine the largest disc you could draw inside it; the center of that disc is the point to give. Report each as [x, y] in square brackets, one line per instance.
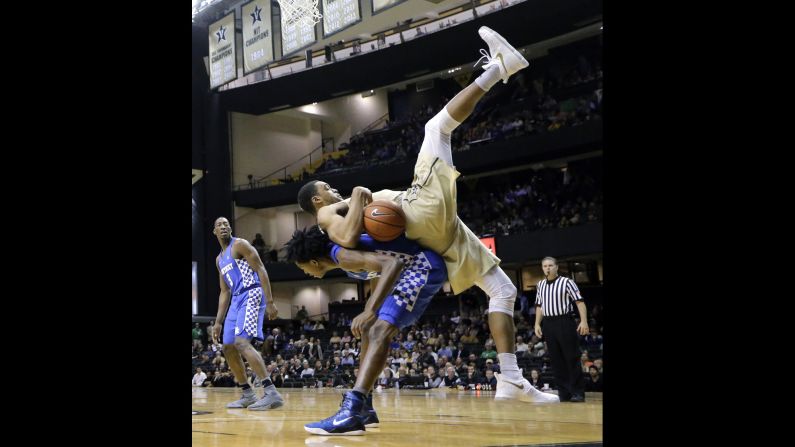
[257, 35]
[223, 62]
[339, 14]
[296, 37]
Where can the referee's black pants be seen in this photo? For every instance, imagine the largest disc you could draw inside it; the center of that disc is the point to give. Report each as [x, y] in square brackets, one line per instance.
[563, 347]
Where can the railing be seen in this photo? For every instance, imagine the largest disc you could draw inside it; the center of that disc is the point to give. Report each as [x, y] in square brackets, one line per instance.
[281, 175]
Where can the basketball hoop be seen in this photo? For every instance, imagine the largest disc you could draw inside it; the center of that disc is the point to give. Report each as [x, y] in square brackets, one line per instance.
[304, 12]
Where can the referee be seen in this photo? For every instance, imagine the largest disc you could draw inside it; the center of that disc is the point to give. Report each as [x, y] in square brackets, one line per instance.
[554, 296]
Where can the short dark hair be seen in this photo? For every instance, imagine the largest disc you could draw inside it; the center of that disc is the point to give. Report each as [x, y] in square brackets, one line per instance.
[305, 195]
[307, 244]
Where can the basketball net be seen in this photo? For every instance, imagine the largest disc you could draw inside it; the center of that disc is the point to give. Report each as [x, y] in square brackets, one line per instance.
[304, 12]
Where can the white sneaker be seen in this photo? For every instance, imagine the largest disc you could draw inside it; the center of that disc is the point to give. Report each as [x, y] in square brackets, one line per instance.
[521, 390]
[501, 54]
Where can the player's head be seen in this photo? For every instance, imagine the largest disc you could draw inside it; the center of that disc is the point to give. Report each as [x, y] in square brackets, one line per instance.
[317, 194]
[550, 266]
[222, 230]
[309, 250]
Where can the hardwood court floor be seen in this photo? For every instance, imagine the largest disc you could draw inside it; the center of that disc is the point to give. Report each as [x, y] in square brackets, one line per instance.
[410, 418]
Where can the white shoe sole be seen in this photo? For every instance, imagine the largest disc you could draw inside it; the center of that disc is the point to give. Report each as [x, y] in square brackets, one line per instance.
[320, 431]
[494, 35]
[521, 395]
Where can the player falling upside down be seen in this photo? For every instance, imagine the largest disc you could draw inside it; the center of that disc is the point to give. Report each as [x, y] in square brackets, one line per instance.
[431, 215]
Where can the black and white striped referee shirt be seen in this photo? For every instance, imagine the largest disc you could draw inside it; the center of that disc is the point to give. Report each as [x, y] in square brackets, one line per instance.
[556, 297]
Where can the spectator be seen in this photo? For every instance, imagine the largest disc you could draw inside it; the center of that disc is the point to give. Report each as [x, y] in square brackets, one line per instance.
[468, 337]
[409, 343]
[585, 362]
[302, 314]
[278, 377]
[259, 245]
[488, 353]
[461, 352]
[535, 379]
[451, 379]
[197, 336]
[598, 364]
[521, 346]
[540, 350]
[278, 340]
[223, 379]
[219, 359]
[386, 377]
[593, 341]
[430, 357]
[313, 349]
[594, 380]
[208, 331]
[432, 378]
[490, 381]
[472, 377]
[335, 338]
[306, 370]
[199, 377]
[447, 351]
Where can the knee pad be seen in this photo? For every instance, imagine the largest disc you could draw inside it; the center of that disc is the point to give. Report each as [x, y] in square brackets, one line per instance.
[442, 122]
[503, 299]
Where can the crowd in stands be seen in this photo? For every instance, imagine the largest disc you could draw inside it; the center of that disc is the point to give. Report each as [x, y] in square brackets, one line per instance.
[455, 351]
[526, 201]
[524, 107]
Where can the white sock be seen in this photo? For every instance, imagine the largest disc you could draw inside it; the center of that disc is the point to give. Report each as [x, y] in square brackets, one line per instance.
[488, 78]
[508, 366]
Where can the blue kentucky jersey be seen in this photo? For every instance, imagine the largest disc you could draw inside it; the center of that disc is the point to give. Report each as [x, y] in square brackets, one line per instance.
[237, 274]
[421, 266]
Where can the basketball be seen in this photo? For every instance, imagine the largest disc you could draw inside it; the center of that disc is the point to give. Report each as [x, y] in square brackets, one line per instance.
[384, 220]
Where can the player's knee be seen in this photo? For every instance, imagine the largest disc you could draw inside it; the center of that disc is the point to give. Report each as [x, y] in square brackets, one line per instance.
[503, 299]
[229, 348]
[509, 289]
[381, 330]
[241, 344]
[442, 123]
[433, 124]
